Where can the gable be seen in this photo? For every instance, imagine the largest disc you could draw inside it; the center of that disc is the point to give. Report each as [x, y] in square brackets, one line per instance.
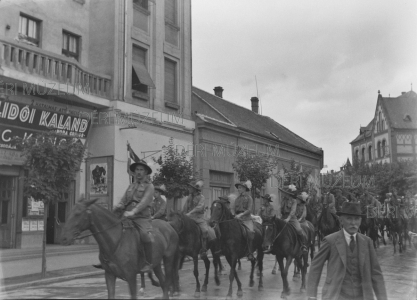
[380, 120]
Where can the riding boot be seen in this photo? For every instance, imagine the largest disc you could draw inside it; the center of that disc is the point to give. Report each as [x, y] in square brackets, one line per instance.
[148, 257]
[251, 235]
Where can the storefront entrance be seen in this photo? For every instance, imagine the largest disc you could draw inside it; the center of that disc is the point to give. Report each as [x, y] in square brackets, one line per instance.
[7, 211]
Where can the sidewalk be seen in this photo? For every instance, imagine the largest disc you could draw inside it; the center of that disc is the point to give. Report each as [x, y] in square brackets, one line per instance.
[22, 267]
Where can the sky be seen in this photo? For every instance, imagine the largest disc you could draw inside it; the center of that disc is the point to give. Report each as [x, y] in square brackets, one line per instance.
[318, 64]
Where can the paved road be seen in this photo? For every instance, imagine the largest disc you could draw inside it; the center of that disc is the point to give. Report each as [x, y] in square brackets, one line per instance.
[400, 273]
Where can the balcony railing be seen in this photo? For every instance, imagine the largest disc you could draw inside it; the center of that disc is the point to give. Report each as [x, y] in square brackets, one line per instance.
[38, 62]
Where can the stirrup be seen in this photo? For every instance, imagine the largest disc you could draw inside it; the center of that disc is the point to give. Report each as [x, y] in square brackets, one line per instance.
[147, 268]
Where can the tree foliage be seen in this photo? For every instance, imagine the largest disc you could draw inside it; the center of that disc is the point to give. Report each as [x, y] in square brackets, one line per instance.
[297, 175]
[175, 172]
[51, 160]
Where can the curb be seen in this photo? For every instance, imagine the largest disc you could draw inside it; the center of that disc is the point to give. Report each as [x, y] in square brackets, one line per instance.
[31, 256]
[49, 280]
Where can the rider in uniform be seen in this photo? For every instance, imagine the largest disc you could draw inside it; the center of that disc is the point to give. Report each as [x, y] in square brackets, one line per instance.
[243, 209]
[339, 199]
[159, 205]
[136, 205]
[328, 199]
[288, 210]
[194, 208]
[301, 211]
[266, 211]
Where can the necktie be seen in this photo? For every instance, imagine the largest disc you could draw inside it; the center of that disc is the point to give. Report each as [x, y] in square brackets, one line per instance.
[352, 243]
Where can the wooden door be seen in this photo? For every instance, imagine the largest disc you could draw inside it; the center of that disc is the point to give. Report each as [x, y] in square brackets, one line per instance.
[7, 196]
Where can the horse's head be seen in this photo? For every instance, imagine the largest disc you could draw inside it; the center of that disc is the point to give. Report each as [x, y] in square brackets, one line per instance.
[219, 212]
[268, 232]
[78, 221]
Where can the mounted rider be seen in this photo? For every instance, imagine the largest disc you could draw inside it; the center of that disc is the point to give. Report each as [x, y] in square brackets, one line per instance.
[314, 202]
[194, 208]
[136, 205]
[328, 199]
[266, 211]
[243, 209]
[288, 211]
[339, 199]
[159, 204]
[371, 202]
[301, 211]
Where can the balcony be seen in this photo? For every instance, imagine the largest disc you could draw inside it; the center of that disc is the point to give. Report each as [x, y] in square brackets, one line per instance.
[39, 64]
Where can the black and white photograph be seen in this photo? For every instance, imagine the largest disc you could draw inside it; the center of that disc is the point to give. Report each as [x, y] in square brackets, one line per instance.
[195, 149]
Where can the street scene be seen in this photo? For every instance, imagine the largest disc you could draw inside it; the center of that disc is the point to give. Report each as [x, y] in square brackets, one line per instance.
[183, 149]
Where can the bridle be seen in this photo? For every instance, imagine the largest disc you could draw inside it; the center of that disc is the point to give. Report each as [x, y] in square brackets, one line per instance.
[274, 229]
[222, 216]
[88, 210]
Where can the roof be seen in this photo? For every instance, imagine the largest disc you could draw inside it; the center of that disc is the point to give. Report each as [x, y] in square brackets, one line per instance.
[401, 111]
[247, 120]
[367, 131]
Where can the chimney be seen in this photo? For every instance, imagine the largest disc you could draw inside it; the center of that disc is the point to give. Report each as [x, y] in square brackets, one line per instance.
[218, 91]
[403, 93]
[255, 104]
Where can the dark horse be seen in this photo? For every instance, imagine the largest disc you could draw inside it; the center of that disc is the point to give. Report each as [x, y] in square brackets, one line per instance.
[190, 244]
[313, 218]
[327, 222]
[121, 252]
[234, 245]
[285, 244]
[369, 224]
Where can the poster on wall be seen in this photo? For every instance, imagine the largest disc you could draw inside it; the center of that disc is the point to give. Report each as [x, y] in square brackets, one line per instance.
[25, 225]
[98, 179]
[35, 208]
[33, 225]
[40, 225]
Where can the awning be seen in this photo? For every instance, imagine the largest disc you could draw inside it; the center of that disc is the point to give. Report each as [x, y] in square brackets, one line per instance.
[143, 74]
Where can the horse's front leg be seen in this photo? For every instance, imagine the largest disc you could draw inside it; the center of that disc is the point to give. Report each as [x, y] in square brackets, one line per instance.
[132, 286]
[142, 284]
[274, 269]
[111, 285]
[232, 262]
[207, 265]
[284, 273]
[239, 284]
[303, 268]
[260, 259]
[252, 269]
[197, 281]
[161, 277]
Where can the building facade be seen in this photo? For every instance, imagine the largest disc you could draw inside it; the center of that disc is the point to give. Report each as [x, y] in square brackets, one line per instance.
[391, 135]
[107, 72]
[222, 126]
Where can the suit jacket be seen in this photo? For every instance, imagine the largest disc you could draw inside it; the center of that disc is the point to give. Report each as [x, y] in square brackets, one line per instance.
[333, 250]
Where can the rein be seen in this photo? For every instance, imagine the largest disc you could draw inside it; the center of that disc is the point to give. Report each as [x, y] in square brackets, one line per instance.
[279, 232]
[93, 233]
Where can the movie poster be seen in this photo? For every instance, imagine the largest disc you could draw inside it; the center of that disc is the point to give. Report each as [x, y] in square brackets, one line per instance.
[98, 179]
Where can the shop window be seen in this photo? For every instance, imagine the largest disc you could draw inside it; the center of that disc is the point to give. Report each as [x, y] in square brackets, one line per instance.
[29, 30]
[4, 211]
[70, 45]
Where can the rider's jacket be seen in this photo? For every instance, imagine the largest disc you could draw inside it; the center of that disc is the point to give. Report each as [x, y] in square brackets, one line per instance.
[266, 211]
[328, 199]
[288, 208]
[301, 211]
[243, 204]
[159, 207]
[339, 200]
[195, 206]
[133, 199]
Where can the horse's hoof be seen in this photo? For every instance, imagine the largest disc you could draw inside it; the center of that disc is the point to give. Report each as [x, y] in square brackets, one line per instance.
[229, 297]
[260, 288]
[204, 288]
[251, 283]
[141, 291]
[239, 294]
[197, 295]
[302, 290]
[217, 281]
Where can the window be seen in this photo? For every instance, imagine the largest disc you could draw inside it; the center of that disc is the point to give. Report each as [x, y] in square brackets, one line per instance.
[170, 90]
[142, 3]
[4, 211]
[141, 80]
[29, 30]
[370, 153]
[379, 150]
[357, 154]
[363, 154]
[70, 45]
[171, 11]
[383, 148]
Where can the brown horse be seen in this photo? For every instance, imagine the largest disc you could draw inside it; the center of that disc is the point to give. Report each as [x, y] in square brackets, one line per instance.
[327, 222]
[121, 252]
[190, 244]
[234, 245]
[285, 244]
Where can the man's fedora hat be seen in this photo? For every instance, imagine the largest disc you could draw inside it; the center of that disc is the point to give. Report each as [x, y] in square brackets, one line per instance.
[247, 185]
[351, 208]
[197, 184]
[267, 197]
[140, 163]
[161, 188]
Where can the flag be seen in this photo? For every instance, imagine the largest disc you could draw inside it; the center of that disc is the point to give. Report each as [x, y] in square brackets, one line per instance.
[131, 155]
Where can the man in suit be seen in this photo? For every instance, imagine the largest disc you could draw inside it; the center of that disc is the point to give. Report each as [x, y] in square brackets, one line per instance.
[353, 271]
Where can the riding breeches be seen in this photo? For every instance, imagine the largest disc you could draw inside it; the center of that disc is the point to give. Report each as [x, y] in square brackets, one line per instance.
[294, 222]
[203, 226]
[144, 226]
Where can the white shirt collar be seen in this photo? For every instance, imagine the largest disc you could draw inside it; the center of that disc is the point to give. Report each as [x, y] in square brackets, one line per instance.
[347, 236]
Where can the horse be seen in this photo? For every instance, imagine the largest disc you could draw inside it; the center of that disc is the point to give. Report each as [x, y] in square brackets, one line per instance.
[234, 245]
[285, 244]
[313, 218]
[142, 283]
[190, 244]
[327, 223]
[121, 252]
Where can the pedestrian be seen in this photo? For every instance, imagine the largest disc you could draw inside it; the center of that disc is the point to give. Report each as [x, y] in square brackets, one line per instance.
[159, 204]
[353, 271]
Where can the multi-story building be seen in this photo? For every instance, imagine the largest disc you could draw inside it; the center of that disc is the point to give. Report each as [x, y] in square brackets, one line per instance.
[108, 72]
[392, 134]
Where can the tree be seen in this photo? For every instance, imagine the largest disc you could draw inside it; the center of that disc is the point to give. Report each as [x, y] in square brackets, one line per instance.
[296, 175]
[256, 167]
[175, 172]
[52, 161]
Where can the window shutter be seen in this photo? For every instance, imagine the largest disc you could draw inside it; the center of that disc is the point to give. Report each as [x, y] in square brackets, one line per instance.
[170, 81]
[171, 11]
[139, 66]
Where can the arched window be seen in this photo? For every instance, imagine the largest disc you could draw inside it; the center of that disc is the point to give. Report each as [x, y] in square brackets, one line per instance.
[357, 153]
[370, 153]
[379, 121]
[363, 154]
[379, 150]
[383, 125]
[383, 148]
